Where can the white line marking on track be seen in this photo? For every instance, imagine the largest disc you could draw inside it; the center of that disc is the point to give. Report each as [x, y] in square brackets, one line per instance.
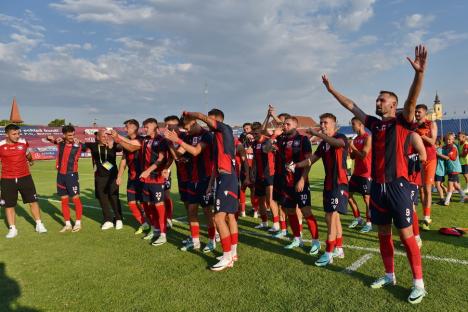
[357, 264]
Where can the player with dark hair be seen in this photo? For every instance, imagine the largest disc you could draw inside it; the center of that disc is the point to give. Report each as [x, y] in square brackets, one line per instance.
[172, 123]
[360, 150]
[226, 194]
[390, 191]
[131, 160]
[16, 177]
[68, 185]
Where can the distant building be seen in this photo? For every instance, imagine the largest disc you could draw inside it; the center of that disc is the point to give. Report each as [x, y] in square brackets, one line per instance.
[436, 112]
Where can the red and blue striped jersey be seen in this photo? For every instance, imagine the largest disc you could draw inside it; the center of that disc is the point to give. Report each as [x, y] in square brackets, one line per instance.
[334, 162]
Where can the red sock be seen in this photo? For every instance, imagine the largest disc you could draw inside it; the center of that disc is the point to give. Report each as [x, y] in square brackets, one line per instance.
[136, 212]
[234, 238]
[415, 223]
[427, 211]
[275, 219]
[242, 200]
[312, 223]
[211, 232]
[78, 207]
[65, 209]
[294, 223]
[149, 213]
[330, 246]
[168, 204]
[264, 217]
[195, 231]
[339, 242]
[387, 252]
[161, 210]
[226, 243]
[283, 225]
[414, 256]
[356, 213]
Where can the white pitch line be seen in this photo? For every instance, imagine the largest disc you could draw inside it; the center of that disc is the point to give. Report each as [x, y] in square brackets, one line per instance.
[357, 264]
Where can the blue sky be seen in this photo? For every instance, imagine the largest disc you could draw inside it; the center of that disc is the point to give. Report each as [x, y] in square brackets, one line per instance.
[113, 60]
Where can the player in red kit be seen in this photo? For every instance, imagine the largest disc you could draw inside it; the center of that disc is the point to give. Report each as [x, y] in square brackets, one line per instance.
[199, 145]
[390, 200]
[16, 159]
[360, 181]
[68, 185]
[264, 168]
[226, 199]
[155, 158]
[131, 160]
[295, 191]
[333, 151]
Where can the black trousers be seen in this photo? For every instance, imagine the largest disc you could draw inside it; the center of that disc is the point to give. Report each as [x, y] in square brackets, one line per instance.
[107, 192]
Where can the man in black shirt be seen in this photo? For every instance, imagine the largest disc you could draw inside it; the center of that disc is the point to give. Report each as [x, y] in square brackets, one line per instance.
[103, 153]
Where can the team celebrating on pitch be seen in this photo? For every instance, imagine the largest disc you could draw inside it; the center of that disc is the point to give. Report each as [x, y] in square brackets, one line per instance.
[395, 157]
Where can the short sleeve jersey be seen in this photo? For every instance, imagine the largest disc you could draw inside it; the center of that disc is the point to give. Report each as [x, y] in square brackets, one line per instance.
[13, 158]
[334, 162]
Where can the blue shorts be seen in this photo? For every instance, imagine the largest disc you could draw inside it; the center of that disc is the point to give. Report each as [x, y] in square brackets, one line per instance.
[261, 185]
[336, 199]
[196, 193]
[68, 184]
[277, 188]
[134, 188]
[392, 202]
[152, 193]
[359, 185]
[464, 169]
[183, 187]
[414, 193]
[292, 199]
[453, 177]
[439, 178]
[226, 193]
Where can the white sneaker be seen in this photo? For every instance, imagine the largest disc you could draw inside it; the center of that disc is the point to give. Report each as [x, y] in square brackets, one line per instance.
[118, 225]
[76, 228]
[66, 228]
[242, 214]
[107, 225]
[222, 264]
[12, 233]
[40, 228]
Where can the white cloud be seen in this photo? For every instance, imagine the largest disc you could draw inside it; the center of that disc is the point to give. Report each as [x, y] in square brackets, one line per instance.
[359, 12]
[418, 20]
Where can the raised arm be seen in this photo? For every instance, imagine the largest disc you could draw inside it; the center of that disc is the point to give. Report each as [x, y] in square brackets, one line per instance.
[194, 150]
[344, 101]
[419, 66]
[210, 122]
[330, 140]
[129, 145]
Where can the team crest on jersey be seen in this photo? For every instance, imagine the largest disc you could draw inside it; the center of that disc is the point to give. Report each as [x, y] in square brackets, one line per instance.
[195, 140]
[20, 147]
[259, 146]
[297, 143]
[327, 146]
[289, 143]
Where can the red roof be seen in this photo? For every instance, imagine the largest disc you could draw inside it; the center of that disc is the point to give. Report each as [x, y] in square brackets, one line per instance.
[15, 114]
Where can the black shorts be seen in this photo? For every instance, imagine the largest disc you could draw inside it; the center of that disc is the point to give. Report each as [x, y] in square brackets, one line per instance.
[453, 177]
[226, 193]
[134, 188]
[11, 187]
[336, 199]
[439, 178]
[292, 199]
[464, 169]
[196, 193]
[277, 188]
[261, 185]
[414, 193]
[183, 187]
[359, 185]
[68, 184]
[152, 193]
[392, 201]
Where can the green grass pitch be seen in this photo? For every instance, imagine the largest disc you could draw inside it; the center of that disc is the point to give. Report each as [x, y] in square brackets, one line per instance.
[118, 271]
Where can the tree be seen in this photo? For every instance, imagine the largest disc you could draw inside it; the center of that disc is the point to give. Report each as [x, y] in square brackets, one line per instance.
[57, 123]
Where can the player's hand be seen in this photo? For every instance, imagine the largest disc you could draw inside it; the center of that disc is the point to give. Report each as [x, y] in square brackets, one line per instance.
[118, 181]
[291, 167]
[76, 141]
[277, 131]
[300, 185]
[58, 140]
[50, 138]
[145, 174]
[171, 136]
[420, 57]
[112, 133]
[31, 162]
[327, 83]
[271, 110]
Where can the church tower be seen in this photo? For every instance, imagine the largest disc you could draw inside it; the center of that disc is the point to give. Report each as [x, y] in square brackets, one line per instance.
[437, 108]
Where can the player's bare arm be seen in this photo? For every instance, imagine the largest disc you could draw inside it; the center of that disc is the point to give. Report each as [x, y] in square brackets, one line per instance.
[193, 150]
[126, 143]
[419, 66]
[343, 100]
[365, 150]
[122, 166]
[210, 122]
[418, 146]
[330, 140]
